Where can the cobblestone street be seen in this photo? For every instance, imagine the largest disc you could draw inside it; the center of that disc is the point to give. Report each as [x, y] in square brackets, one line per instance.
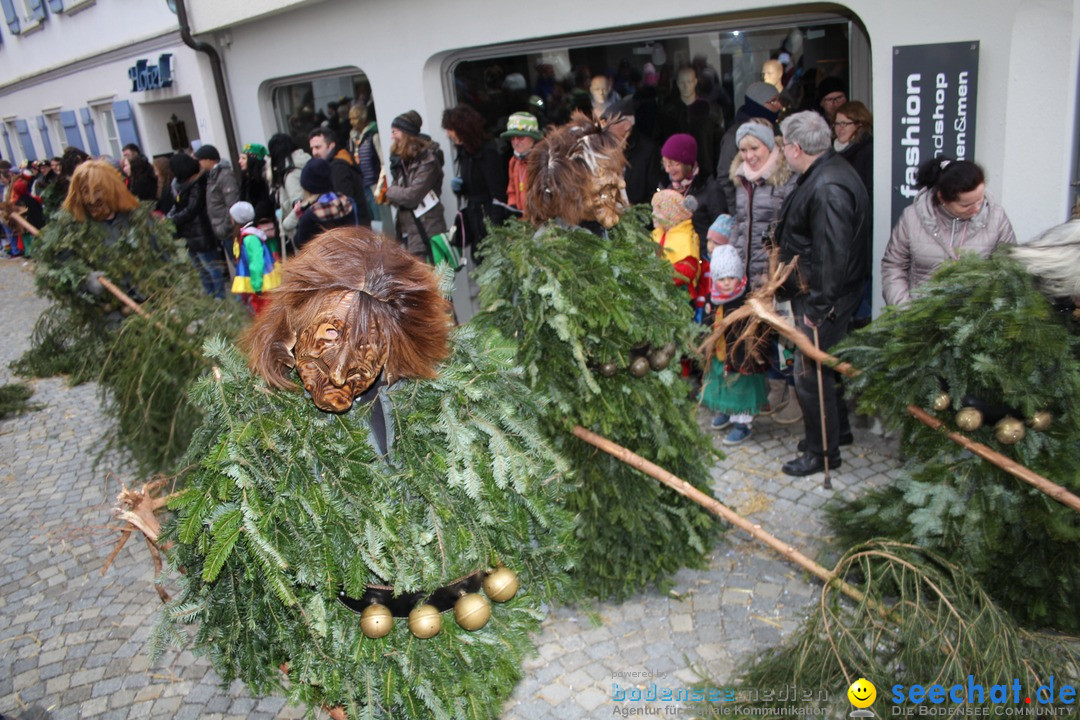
[73, 640]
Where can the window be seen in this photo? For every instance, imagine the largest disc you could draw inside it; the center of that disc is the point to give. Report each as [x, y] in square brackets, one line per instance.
[302, 105]
[551, 80]
[107, 123]
[56, 131]
[33, 15]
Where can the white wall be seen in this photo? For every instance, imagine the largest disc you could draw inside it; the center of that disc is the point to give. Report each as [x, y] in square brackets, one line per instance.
[63, 38]
[110, 81]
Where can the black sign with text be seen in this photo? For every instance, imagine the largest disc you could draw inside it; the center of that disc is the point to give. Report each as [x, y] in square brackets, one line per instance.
[934, 91]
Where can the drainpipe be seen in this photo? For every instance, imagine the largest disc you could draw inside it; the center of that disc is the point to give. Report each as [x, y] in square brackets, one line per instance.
[219, 79]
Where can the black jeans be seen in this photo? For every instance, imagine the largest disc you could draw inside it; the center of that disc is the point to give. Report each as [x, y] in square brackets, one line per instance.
[830, 332]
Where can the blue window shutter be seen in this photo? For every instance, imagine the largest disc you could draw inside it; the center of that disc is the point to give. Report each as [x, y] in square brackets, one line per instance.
[125, 123]
[7, 141]
[10, 15]
[37, 9]
[56, 6]
[43, 131]
[71, 128]
[88, 126]
[27, 142]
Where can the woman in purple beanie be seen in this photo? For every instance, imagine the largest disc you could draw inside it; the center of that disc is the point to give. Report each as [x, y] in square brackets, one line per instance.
[678, 156]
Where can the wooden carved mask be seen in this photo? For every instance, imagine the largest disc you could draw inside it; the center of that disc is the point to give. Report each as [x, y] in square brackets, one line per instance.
[334, 369]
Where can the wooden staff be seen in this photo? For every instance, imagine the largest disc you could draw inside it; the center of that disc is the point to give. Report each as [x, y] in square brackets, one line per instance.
[1009, 465]
[25, 225]
[827, 482]
[718, 508]
[123, 297]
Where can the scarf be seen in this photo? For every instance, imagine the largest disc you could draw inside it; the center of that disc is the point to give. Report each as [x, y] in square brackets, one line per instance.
[763, 172]
[719, 297]
[683, 186]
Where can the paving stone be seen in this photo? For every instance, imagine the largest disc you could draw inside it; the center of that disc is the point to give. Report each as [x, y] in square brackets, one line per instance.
[76, 641]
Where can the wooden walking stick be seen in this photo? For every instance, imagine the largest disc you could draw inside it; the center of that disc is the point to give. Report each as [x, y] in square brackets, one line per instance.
[827, 482]
[1055, 491]
[718, 508]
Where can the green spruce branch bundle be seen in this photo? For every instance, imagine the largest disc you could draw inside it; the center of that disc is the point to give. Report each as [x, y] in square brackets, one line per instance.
[151, 363]
[15, 400]
[145, 365]
[285, 507]
[924, 621]
[574, 302]
[978, 333]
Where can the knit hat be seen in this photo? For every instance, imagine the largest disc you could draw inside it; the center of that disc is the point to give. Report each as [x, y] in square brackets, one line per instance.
[522, 124]
[670, 208]
[408, 122]
[762, 132]
[720, 230]
[242, 212]
[315, 177]
[183, 166]
[207, 152]
[255, 149]
[830, 85]
[682, 148]
[725, 262]
[761, 92]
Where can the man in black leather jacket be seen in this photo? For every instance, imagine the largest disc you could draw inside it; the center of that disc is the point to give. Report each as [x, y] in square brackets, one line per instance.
[826, 223]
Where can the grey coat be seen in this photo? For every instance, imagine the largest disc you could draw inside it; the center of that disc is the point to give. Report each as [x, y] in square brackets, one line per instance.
[222, 191]
[757, 206]
[926, 237]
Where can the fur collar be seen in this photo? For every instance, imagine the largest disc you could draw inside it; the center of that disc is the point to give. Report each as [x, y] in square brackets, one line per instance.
[778, 178]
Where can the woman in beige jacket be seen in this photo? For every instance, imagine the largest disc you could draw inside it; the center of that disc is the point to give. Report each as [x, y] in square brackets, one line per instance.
[952, 214]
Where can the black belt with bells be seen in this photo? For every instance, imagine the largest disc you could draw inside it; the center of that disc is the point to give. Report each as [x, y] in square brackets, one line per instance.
[401, 605]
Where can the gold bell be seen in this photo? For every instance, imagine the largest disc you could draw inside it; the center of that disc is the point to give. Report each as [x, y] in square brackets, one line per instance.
[376, 621]
[472, 611]
[425, 621]
[502, 584]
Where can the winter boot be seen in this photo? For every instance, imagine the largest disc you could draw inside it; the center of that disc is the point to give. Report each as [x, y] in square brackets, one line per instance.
[790, 413]
[779, 396]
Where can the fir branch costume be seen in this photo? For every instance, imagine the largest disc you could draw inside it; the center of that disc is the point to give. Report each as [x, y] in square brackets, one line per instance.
[135, 250]
[288, 507]
[144, 366]
[980, 331]
[575, 301]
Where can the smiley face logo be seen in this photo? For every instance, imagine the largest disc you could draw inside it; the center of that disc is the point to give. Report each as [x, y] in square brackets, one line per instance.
[862, 693]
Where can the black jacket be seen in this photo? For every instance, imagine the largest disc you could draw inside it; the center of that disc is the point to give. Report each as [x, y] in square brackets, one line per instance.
[346, 180]
[826, 222]
[189, 215]
[484, 177]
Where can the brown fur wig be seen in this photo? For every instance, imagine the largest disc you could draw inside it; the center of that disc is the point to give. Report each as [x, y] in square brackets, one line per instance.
[97, 189]
[387, 298]
[572, 167]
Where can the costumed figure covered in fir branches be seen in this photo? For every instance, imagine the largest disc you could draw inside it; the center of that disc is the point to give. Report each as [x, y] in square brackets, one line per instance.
[127, 311]
[381, 546]
[101, 230]
[982, 349]
[598, 323]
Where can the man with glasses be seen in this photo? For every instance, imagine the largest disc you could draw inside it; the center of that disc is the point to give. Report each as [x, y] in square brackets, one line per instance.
[825, 222]
[831, 93]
